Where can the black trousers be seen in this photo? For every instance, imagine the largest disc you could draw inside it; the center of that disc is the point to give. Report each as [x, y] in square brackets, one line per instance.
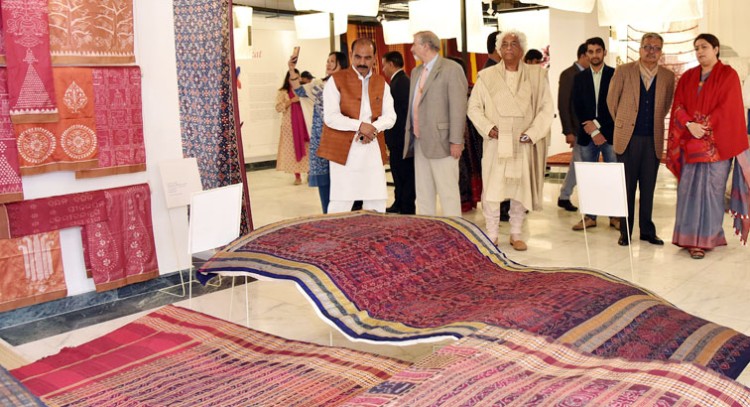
[402, 170]
[641, 167]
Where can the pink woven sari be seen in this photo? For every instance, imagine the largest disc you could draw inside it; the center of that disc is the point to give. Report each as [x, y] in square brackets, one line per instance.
[299, 128]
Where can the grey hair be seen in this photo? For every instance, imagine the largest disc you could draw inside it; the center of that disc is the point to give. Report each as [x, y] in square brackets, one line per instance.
[429, 38]
[518, 34]
[652, 35]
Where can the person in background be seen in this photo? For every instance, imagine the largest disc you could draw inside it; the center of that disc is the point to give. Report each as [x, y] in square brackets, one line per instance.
[306, 77]
[311, 98]
[402, 169]
[533, 57]
[706, 133]
[435, 126]
[511, 107]
[357, 108]
[639, 98]
[570, 124]
[596, 128]
[293, 137]
[493, 57]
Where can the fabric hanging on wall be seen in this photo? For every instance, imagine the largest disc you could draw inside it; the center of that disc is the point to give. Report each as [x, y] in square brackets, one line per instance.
[41, 215]
[69, 144]
[121, 250]
[2, 42]
[11, 188]
[119, 122]
[31, 270]
[208, 108]
[30, 82]
[97, 32]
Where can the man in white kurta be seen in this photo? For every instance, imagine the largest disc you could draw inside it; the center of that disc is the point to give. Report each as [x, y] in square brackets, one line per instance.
[511, 107]
[362, 177]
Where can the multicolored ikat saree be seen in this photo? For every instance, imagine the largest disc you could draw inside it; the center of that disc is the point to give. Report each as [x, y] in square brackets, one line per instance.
[177, 357]
[404, 278]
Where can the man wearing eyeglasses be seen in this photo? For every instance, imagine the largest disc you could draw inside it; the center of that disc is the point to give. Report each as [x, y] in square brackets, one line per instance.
[640, 95]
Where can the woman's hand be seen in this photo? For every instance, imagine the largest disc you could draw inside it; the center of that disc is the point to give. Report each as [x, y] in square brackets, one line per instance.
[696, 129]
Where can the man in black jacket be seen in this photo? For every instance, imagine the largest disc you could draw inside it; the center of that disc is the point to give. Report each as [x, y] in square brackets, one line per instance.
[595, 131]
[402, 169]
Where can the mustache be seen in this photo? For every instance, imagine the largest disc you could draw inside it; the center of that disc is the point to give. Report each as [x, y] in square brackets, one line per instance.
[363, 66]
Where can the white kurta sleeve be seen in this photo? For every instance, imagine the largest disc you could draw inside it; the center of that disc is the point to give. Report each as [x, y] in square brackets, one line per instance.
[387, 114]
[477, 107]
[332, 115]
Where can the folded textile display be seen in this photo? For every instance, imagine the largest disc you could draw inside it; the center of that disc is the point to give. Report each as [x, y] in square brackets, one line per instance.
[11, 188]
[25, 25]
[12, 393]
[69, 143]
[91, 32]
[397, 278]
[119, 122]
[178, 357]
[121, 250]
[31, 270]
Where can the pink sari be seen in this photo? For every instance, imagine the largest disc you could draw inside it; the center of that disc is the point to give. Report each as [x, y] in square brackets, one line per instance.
[299, 128]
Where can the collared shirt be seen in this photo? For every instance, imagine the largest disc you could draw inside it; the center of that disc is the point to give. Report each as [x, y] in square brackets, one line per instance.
[428, 68]
[580, 68]
[597, 84]
[336, 120]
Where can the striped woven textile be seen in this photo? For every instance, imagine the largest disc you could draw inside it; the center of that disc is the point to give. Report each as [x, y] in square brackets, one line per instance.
[397, 278]
[177, 357]
[511, 368]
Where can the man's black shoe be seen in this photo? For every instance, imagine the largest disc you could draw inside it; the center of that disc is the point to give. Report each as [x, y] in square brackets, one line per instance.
[567, 205]
[623, 241]
[392, 209]
[653, 240]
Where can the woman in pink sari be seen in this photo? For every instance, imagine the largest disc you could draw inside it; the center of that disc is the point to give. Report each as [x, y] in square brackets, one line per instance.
[706, 135]
[293, 138]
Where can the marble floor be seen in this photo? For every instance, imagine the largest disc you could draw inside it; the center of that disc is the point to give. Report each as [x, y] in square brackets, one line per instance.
[715, 288]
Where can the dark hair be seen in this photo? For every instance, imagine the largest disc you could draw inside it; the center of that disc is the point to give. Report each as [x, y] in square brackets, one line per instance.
[364, 40]
[459, 61]
[341, 59]
[709, 38]
[492, 42]
[395, 58]
[307, 75]
[285, 85]
[533, 54]
[596, 41]
[581, 50]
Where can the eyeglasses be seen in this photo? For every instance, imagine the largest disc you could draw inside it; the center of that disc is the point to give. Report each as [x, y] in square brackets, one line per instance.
[651, 48]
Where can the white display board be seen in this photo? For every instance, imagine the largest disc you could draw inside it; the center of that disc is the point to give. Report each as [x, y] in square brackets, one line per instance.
[214, 217]
[601, 189]
[180, 179]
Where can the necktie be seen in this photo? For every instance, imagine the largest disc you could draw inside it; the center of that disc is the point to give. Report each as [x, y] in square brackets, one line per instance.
[417, 98]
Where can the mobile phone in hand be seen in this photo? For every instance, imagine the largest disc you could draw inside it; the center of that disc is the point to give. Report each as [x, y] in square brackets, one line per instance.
[295, 53]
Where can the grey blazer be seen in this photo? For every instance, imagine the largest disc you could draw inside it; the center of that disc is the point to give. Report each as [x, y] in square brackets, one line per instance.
[442, 109]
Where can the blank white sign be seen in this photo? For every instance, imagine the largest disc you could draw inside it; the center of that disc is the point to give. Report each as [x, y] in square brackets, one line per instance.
[180, 179]
[215, 217]
[601, 188]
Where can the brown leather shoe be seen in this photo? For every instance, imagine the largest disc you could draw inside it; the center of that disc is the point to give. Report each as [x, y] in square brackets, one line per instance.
[519, 245]
[590, 223]
[614, 223]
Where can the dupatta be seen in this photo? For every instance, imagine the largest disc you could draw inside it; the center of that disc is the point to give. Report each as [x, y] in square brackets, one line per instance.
[299, 128]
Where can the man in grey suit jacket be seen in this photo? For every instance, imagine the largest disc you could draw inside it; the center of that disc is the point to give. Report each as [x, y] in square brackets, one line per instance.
[570, 124]
[435, 126]
[640, 96]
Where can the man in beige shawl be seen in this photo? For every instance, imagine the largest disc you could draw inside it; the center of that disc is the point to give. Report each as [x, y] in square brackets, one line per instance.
[511, 107]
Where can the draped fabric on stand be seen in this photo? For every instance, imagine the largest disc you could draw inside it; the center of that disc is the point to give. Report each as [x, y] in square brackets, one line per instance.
[408, 278]
[87, 32]
[25, 29]
[208, 108]
[11, 187]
